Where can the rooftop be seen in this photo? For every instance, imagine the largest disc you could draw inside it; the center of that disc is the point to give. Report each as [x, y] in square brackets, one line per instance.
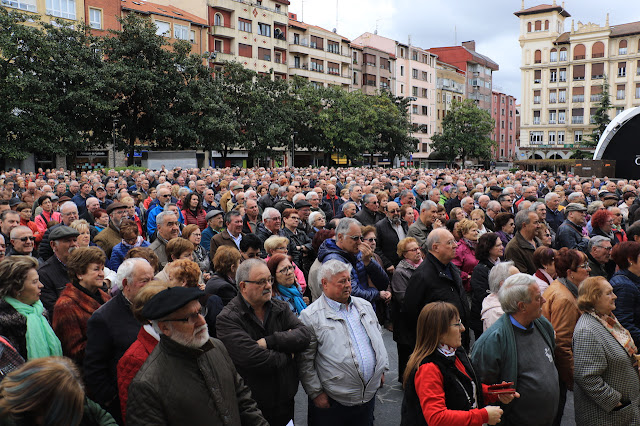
[303, 26]
[148, 8]
[542, 8]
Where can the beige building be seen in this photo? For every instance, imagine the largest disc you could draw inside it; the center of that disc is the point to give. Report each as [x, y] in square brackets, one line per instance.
[450, 86]
[318, 55]
[254, 34]
[563, 74]
[372, 69]
[49, 10]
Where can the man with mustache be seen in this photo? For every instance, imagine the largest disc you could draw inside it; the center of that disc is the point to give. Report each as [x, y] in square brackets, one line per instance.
[188, 375]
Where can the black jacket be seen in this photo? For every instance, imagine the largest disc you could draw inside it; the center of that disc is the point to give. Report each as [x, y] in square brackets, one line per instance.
[263, 233]
[54, 278]
[455, 385]
[270, 373]
[221, 287]
[431, 282]
[479, 290]
[367, 217]
[489, 223]
[388, 242]
[570, 235]
[283, 204]
[13, 326]
[299, 239]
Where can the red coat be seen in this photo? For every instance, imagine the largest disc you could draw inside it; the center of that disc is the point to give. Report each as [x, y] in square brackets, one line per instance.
[70, 316]
[191, 219]
[465, 260]
[130, 364]
[34, 228]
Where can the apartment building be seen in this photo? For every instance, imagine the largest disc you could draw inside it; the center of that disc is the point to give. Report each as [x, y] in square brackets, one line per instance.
[563, 74]
[373, 69]
[49, 10]
[478, 68]
[252, 33]
[504, 115]
[450, 86]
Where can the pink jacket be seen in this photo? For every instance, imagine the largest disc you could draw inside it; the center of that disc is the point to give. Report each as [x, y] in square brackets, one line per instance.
[465, 260]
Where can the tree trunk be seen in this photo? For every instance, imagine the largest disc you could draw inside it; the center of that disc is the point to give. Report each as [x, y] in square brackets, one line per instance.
[130, 157]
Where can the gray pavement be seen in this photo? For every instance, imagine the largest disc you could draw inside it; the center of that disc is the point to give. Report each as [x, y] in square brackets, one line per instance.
[389, 398]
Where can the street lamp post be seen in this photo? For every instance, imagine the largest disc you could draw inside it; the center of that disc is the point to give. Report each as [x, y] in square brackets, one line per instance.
[113, 134]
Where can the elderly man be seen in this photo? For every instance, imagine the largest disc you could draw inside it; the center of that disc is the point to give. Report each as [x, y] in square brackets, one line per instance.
[9, 220]
[426, 223]
[81, 197]
[437, 279]
[270, 225]
[110, 331]
[251, 217]
[347, 247]
[483, 202]
[215, 224]
[355, 195]
[599, 256]
[231, 236]
[369, 214]
[554, 216]
[570, 232]
[506, 202]
[68, 213]
[262, 336]
[208, 201]
[203, 386]
[522, 246]
[53, 272]
[92, 204]
[390, 231]
[331, 202]
[467, 206]
[109, 237]
[520, 348]
[271, 198]
[345, 363]
[457, 194]
[22, 241]
[348, 209]
[286, 198]
[164, 197]
[493, 209]
[168, 228]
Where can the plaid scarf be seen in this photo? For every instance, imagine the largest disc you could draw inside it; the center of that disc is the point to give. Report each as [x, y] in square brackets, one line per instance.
[610, 322]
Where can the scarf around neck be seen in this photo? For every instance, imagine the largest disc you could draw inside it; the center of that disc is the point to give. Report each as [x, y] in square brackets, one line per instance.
[446, 350]
[41, 340]
[294, 294]
[570, 286]
[621, 334]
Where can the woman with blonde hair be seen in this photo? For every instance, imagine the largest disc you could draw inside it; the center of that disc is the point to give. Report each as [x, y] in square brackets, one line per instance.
[465, 258]
[440, 385]
[278, 244]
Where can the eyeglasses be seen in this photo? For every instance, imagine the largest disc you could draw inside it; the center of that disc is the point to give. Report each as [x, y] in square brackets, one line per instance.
[609, 248]
[286, 270]
[282, 248]
[165, 195]
[450, 243]
[585, 265]
[457, 324]
[191, 318]
[412, 250]
[355, 237]
[25, 239]
[263, 282]
[369, 240]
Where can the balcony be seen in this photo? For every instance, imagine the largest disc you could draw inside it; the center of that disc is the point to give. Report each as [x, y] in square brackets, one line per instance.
[577, 98]
[223, 31]
[280, 44]
[301, 48]
[596, 98]
[227, 56]
[577, 120]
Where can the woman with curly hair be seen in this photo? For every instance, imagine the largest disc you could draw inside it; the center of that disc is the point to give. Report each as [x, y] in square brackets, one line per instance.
[465, 258]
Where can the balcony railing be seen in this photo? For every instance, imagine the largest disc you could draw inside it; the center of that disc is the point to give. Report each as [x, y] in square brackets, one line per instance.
[577, 120]
[578, 98]
[596, 98]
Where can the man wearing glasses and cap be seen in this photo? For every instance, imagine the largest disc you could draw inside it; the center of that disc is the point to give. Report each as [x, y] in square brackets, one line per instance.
[203, 385]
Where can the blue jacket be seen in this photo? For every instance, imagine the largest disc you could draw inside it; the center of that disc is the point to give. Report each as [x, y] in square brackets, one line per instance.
[570, 235]
[119, 251]
[151, 220]
[360, 273]
[626, 285]
[207, 235]
[554, 219]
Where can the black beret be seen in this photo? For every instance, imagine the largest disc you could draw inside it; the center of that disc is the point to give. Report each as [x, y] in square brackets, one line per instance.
[169, 301]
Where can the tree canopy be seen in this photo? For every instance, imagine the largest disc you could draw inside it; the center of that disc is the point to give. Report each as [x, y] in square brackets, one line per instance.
[601, 117]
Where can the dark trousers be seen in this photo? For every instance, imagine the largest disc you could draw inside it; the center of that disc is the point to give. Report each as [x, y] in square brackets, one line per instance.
[341, 415]
[561, 403]
[281, 415]
[404, 352]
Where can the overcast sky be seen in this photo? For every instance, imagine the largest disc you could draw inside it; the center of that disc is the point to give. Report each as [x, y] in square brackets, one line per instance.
[436, 23]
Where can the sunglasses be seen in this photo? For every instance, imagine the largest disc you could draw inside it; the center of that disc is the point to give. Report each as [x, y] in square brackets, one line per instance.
[25, 239]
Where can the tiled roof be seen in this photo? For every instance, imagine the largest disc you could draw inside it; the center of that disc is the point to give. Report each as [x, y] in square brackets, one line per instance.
[563, 38]
[625, 29]
[148, 8]
[542, 8]
[286, 2]
[303, 26]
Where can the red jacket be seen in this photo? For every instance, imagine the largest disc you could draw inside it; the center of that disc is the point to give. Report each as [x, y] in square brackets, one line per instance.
[130, 364]
[465, 260]
[34, 228]
[70, 316]
[191, 219]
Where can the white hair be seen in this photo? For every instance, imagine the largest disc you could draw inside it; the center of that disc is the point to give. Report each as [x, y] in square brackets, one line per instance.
[333, 267]
[313, 217]
[515, 289]
[126, 269]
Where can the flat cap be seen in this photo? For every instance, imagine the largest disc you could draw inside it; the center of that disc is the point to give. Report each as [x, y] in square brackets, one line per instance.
[212, 214]
[575, 207]
[14, 201]
[302, 204]
[64, 199]
[115, 206]
[169, 301]
[237, 186]
[62, 231]
[495, 188]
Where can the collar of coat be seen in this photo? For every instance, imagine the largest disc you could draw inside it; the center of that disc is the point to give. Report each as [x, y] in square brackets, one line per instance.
[524, 244]
[179, 351]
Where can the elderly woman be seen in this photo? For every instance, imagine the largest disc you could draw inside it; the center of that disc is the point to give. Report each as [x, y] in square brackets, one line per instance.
[607, 386]
[409, 251]
[285, 287]
[407, 214]
[47, 215]
[84, 229]
[192, 211]
[477, 216]
[176, 248]
[457, 213]
[101, 220]
[223, 281]
[277, 244]
[562, 311]
[465, 258]
[79, 300]
[131, 238]
[505, 227]
[383, 199]
[22, 316]
[602, 224]
[440, 384]
[488, 252]
[491, 308]
[317, 221]
[544, 235]
[626, 285]
[193, 234]
[629, 197]
[544, 261]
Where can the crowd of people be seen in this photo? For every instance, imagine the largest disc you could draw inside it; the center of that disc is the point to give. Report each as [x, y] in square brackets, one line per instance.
[210, 295]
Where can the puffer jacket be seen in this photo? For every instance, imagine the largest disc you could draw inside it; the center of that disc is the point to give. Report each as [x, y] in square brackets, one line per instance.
[570, 235]
[626, 285]
[328, 365]
[360, 273]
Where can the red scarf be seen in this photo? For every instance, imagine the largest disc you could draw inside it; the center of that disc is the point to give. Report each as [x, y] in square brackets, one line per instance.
[542, 276]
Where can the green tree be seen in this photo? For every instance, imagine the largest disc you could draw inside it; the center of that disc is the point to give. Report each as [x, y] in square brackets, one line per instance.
[393, 126]
[466, 131]
[601, 117]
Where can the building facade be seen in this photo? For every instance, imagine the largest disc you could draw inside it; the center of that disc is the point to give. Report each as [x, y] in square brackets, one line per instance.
[504, 134]
[318, 55]
[450, 86]
[563, 75]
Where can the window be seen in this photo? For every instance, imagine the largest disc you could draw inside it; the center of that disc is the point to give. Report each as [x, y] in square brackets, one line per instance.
[217, 45]
[510, 125]
[425, 93]
[355, 58]
[562, 75]
[552, 138]
[333, 68]
[278, 8]
[369, 80]
[561, 137]
[622, 47]
[597, 50]
[245, 50]
[637, 90]
[577, 116]
[355, 78]
[401, 70]
[414, 55]
[414, 91]
[502, 111]
[578, 72]
[414, 73]
[402, 88]
[579, 52]
[553, 55]
[425, 110]
[596, 93]
[562, 116]
[384, 83]
[535, 138]
[95, 18]
[546, 24]
[192, 36]
[370, 59]
[528, 27]
[244, 25]
[264, 30]
[264, 54]
[317, 65]
[578, 94]
[180, 32]
[385, 64]
[217, 20]
[620, 92]
[638, 67]
[622, 69]
[577, 136]
[62, 8]
[563, 54]
[552, 117]
[536, 117]
[317, 43]
[502, 124]
[333, 47]
[597, 70]
[619, 110]
[163, 28]
[402, 52]
[29, 5]
[553, 96]
[296, 62]
[537, 76]
[425, 76]
[414, 109]
[592, 115]
[537, 57]
[538, 25]
[562, 96]
[553, 75]
[296, 40]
